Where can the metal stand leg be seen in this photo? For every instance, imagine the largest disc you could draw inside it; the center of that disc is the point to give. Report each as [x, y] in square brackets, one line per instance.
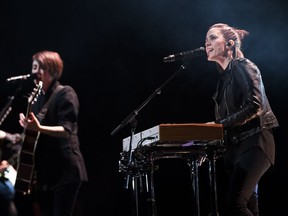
[213, 186]
[135, 194]
[153, 200]
[195, 186]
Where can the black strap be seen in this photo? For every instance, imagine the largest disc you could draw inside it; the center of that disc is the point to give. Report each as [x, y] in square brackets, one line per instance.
[43, 111]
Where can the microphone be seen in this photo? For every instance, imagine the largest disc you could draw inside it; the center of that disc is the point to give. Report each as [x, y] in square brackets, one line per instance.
[185, 55]
[21, 77]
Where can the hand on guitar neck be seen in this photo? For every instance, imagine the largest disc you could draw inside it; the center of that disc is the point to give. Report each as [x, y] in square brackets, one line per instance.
[30, 122]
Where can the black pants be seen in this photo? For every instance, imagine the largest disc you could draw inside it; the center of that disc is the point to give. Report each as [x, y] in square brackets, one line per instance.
[246, 163]
[60, 201]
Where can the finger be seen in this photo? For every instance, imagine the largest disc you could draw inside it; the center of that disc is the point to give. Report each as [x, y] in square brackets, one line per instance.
[31, 115]
[21, 116]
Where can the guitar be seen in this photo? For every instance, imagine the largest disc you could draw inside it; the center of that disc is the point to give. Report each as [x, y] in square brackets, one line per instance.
[25, 166]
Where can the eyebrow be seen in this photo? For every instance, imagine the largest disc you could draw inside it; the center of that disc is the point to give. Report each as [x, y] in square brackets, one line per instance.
[211, 35]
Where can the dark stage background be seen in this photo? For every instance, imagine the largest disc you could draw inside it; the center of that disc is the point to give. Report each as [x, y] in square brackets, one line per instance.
[113, 54]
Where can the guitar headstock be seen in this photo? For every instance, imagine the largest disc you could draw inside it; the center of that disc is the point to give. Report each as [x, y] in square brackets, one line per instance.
[35, 93]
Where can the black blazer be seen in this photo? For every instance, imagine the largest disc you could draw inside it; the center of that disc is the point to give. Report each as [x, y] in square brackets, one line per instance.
[59, 160]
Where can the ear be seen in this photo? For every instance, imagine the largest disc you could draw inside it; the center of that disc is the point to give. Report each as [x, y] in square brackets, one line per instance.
[230, 43]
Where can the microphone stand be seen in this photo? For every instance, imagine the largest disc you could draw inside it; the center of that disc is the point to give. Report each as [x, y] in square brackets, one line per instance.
[131, 118]
[8, 106]
[132, 115]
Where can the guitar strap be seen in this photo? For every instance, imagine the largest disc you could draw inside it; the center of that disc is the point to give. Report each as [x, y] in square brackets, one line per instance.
[43, 111]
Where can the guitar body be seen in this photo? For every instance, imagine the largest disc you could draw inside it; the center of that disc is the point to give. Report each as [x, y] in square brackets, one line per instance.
[26, 163]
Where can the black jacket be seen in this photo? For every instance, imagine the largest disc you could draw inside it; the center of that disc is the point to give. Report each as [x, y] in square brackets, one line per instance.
[241, 102]
[59, 160]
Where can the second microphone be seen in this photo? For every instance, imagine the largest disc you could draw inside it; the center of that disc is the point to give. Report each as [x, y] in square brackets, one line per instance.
[21, 77]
